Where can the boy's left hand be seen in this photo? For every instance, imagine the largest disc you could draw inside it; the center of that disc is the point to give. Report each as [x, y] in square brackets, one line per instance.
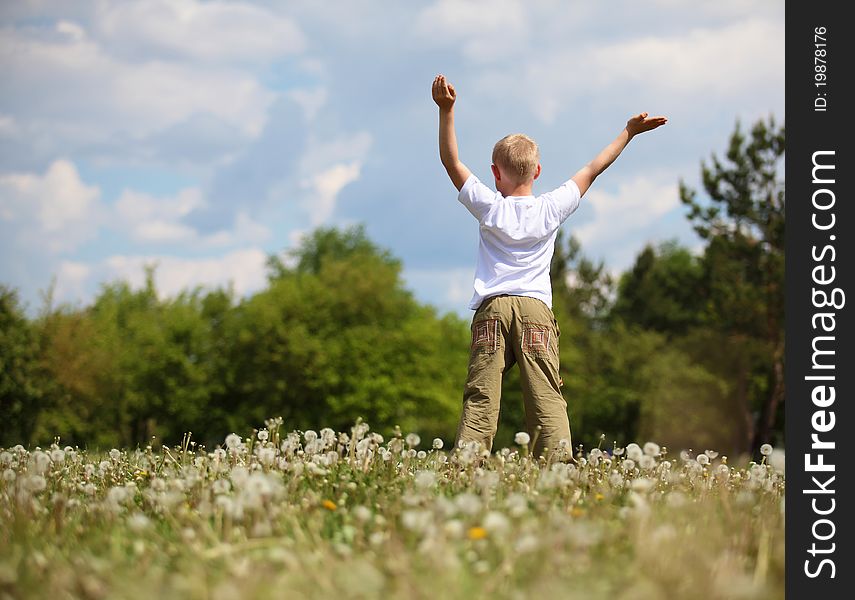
[641, 123]
[443, 93]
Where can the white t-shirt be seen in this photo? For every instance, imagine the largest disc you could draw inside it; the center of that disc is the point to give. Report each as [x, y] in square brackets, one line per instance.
[517, 238]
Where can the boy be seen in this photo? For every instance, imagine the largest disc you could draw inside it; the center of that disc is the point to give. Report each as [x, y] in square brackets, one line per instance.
[513, 321]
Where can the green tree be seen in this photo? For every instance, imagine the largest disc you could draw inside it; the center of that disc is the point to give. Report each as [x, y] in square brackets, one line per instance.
[21, 388]
[742, 221]
[337, 337]
[663, 290]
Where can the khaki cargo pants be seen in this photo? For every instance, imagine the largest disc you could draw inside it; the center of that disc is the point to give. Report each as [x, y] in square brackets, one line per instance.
[507, 330]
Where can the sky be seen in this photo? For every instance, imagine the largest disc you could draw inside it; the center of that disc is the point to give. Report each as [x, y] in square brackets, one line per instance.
[204, 136]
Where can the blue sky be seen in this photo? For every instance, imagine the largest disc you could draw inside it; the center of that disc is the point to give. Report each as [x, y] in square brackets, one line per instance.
[204, 136]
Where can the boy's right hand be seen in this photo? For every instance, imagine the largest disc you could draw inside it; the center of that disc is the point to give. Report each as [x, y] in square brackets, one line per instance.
[443, 93]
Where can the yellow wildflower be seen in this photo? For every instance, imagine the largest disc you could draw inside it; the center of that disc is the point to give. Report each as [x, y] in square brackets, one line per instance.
[477, 533]
[329, 505]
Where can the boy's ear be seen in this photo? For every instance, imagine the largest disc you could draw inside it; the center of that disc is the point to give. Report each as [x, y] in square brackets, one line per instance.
[537, 171]
[496, 173]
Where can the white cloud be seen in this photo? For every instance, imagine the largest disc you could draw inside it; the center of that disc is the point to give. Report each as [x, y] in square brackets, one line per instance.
[149, 219]
[158, 220]
[7, 125]
[244, 268]
[331, 165]
[326, 186]
[71, 280]
[103, 96]
[485, 30]
[706, 65]
[633, 209]
[200, 31]
[55, 211]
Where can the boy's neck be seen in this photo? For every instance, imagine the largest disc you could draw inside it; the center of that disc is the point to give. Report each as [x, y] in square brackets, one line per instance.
[523, 189]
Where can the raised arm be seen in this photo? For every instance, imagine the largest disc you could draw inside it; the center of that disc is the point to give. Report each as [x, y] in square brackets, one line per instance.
[444, 96]
[637, 124]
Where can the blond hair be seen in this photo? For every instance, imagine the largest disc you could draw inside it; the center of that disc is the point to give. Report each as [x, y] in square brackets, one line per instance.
[518, 155]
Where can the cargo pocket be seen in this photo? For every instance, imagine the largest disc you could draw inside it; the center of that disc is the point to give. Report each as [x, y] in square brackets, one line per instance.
[536, 338]
[485, 335]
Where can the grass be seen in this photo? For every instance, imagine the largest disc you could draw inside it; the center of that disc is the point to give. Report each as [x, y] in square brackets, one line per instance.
[308, 515]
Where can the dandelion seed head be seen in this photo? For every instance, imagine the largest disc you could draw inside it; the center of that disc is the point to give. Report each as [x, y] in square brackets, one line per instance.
[777, 460]
[115, 454]
[633, 452]
[468, 503]
[646, 462]
[703, 459]
[263, 435]
[233, 441]
[453, 528]
[36, 483]
[651, 449]
[425, 480]
[522, 438]
[642, 484]
[417, 520]
[362, 513]
[138, 522]
[526, 544]
[328, 436]
[39, 462]
[437, 444]
[766, 449]
[496, 523]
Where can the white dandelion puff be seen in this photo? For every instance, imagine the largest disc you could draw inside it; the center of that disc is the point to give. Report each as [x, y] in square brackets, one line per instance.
[138, 522]
[425, 480]
[522, 438]
[646, 462]
[633, 451]
[496, 523]
[651, 449]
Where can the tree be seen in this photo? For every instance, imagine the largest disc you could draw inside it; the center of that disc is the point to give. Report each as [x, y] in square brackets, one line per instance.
[663, 290]
[337, 337]
[743, 224]
[21, 387]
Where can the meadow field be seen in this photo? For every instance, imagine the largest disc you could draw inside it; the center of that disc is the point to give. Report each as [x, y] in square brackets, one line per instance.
[358, 514]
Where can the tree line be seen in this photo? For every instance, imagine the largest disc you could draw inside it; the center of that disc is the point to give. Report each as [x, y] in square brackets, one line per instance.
[683, 348]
